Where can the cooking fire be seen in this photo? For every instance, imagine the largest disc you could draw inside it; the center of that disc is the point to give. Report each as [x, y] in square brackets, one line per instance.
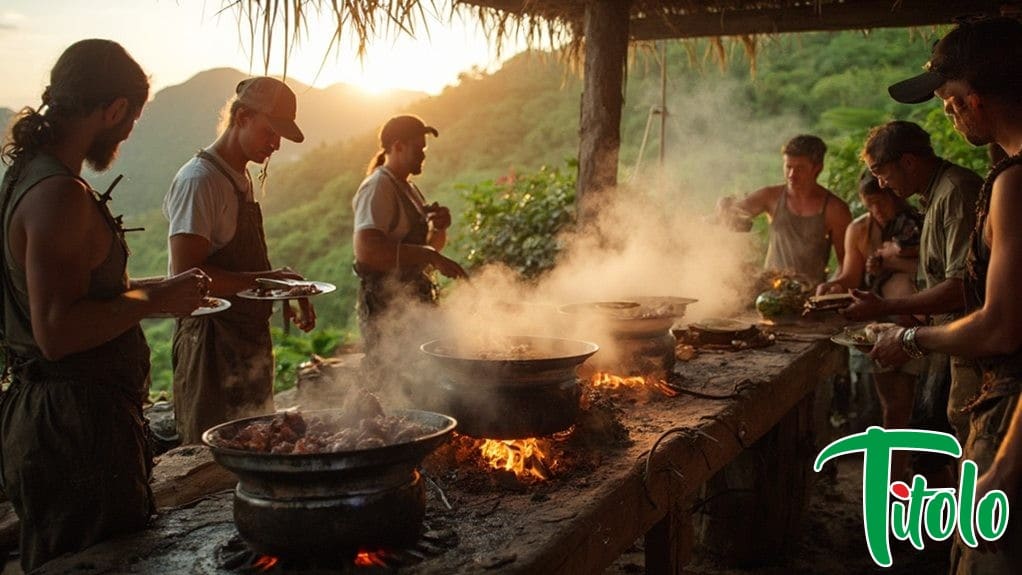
[644, 383]
[526, 458]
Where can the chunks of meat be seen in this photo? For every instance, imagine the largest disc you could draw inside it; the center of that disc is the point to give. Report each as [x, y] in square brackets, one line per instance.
[290, 432]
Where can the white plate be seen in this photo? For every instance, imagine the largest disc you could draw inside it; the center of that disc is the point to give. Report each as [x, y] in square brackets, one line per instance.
[284, 293]
[221, 305]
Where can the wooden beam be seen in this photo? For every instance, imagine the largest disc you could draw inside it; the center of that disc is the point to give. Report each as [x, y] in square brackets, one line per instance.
[850, 15]
[606, 49]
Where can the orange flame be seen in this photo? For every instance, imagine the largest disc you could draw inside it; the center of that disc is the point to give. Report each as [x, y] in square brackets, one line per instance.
[370, 559]
[607, 381]
[524, 457]
[265, 562]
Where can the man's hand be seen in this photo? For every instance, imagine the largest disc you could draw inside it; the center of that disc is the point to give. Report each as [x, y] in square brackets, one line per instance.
[867, 306]
[305, 318]
[733, 216]
[448, 267]
[887, 351]
[179, 295]
[438, 216]
[829, 288]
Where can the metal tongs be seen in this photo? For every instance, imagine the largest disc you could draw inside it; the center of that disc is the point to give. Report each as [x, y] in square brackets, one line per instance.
[270, 282]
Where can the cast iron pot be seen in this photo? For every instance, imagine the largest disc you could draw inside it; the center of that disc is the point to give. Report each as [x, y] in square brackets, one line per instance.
[511, 398]
[328, 505]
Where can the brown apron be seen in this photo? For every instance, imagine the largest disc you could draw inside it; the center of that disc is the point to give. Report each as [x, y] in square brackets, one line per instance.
[75, 456]
[379, 291]
[223, 362]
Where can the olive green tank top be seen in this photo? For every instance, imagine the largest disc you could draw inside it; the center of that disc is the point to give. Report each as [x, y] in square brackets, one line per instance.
[799, 243]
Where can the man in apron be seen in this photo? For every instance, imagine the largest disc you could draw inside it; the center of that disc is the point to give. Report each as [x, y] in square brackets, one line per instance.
[806, 219]
[223, 362]
[398, 238]
[974, 71]
[73, 447]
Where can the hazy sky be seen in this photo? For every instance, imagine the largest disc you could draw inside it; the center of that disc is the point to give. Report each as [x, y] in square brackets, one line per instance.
[175, 39]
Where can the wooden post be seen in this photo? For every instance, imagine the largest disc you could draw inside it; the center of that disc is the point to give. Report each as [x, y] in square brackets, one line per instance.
[606, 49]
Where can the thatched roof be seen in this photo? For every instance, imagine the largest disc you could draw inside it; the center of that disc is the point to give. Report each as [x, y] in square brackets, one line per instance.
[661, 19]
[279, 25]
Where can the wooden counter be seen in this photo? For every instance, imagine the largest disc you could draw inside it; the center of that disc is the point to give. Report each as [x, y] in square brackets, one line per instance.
[576, 526]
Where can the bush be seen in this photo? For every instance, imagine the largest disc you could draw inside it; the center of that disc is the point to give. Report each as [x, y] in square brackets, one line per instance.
[515, 220]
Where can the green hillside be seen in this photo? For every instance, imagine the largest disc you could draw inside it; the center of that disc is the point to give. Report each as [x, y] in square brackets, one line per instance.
[724, 132]
[181, 119]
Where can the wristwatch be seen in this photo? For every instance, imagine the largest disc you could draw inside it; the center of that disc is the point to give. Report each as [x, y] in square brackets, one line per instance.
[909, 343]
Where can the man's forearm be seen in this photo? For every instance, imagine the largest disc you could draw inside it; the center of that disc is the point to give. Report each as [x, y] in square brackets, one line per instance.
[945, 297]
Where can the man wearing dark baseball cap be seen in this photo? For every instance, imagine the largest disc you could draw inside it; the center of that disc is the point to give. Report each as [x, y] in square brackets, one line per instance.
[974, 71]
[223, 362]
[398, 237]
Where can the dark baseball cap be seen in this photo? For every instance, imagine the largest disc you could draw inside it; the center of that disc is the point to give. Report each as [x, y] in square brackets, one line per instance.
[402, 128]
[983, 51]
[276, 101]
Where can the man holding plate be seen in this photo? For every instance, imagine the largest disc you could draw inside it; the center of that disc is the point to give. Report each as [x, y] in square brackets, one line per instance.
[223, 363]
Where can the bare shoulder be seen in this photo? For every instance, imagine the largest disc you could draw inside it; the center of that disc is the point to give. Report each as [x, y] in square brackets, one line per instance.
[1007, 190]
[859, 225]
[837, 208]
[57, 205]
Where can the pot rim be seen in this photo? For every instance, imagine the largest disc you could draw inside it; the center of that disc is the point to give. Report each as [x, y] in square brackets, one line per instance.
[307, 461]
[584, 351]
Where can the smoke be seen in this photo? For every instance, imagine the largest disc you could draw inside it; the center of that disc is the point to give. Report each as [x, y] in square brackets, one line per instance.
[654, 236]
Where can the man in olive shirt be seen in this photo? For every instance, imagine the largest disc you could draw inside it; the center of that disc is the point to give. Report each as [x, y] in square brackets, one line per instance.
[900, 155]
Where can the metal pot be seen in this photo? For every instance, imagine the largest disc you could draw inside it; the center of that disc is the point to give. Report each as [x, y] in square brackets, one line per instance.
[511, 398]
[326, 505]
[622, 318]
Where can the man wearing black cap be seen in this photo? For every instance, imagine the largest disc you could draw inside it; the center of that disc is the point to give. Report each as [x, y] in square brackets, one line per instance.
[974, 71]
[75, 461]
[398, 237]
[223, 362]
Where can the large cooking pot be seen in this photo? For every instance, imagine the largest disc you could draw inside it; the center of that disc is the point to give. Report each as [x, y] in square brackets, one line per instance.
[498, 394]
[624, 318]
[328, 505]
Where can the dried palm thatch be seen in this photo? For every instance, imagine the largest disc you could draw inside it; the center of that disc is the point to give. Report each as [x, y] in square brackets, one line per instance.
[278, 26]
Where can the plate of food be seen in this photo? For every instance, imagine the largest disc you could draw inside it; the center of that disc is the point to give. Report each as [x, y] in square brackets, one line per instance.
[859, 338]
[286, 289]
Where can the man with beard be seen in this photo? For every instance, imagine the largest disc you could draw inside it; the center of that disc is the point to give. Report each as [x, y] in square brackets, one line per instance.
[900, 155]
[223, 362]
[974, 71]
[806, 219]
[397, 237]
[73, 449]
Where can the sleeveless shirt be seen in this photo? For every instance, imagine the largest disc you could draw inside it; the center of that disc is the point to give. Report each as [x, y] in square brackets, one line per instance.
[799, 243]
